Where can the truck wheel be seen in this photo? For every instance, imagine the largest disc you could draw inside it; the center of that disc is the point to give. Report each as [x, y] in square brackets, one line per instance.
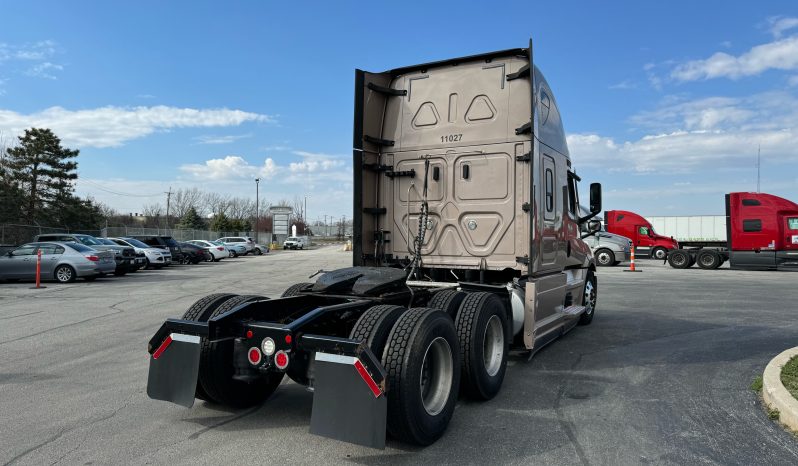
[216, 369]
[708, 260]
[679, 259]
[447, 301]
[589, 298]
[64, 274]
[198, 312]
[482, 331]
[374, 326]
[423, 365]
[659, 253]
[605, 257]
[295, 290]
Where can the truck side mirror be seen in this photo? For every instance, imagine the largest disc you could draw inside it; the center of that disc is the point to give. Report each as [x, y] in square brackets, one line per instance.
[595, 202]
[594, 226]
[595, 198]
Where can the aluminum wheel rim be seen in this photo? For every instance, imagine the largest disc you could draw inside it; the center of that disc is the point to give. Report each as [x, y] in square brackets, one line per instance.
[707, 259]
[437, 373]
[604, 258]
[493, 346]
[590, 297]
[64, 274]
[679, 259]
[659, 254]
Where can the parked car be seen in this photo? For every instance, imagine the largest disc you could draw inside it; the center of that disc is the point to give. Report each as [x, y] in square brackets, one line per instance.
[259, 248]
[296, 242]
[248, 243]
[125, 257]
[609, 248]
[61, 261]
[163, 242]
[154, 257]
[193, 254]
[217, 251]
[140, 260]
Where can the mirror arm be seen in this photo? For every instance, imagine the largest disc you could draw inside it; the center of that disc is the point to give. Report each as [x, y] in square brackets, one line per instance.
[586, 218]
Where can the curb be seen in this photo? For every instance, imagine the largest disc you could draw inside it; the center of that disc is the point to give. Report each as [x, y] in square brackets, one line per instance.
[773, 391]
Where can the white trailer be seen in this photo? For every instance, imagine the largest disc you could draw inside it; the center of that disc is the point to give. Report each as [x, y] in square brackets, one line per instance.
[692, 230]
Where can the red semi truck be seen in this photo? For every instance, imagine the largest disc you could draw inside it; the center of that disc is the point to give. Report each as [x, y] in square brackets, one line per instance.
[761, 234]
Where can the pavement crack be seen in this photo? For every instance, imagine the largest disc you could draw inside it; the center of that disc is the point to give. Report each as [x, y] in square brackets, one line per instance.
[565, 425]
[60, 327]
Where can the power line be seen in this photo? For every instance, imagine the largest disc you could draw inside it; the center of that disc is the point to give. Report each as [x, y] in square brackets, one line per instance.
[118, 193]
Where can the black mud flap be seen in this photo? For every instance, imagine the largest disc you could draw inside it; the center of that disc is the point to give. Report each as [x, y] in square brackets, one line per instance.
[174, 367]
[348, 403]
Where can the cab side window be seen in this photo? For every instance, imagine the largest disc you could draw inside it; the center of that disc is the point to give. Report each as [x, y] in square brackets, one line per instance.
[643, 231]
[792, 223]
[573, 196]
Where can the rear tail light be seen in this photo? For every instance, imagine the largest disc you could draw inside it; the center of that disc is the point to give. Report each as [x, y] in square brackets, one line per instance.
[281, 360]
[93, 258]
[268, 346]
[220, 248]
[254, 356]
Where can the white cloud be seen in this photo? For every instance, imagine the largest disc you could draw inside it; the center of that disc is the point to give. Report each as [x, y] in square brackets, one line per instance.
[36, 51]
[114, 126]
[689, 136]
[44, 70]
[781, 54]
[624, 85]
[229, 168]
[315, 162]
[780, 24]
[206, 139]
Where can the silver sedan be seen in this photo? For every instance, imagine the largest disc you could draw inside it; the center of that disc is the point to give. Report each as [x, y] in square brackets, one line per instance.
[61, 261]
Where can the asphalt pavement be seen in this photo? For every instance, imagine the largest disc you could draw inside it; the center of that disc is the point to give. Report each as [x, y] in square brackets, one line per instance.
[661, 376]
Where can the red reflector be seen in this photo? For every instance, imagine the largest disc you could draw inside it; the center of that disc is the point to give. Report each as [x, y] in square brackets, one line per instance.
[220, 248]
[288, 339]
[375, 389]
[157, 354]
[93, 258]
[249, 333]
[254, 356]
[281, 360]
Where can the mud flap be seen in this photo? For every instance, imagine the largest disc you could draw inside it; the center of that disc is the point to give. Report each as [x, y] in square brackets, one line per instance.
[174, 367]
[348, 404]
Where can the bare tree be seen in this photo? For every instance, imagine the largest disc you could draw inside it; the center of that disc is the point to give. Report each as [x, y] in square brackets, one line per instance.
[153, 210]
[216, 203]
[241, 208]
[185, 199]
[106, 210]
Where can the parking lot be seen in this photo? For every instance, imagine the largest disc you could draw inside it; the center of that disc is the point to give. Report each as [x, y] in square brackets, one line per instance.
[661, 376]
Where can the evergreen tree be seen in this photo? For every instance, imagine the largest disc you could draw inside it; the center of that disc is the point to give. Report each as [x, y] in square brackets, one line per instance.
[191, 220]
[44, 170]
[221, 223]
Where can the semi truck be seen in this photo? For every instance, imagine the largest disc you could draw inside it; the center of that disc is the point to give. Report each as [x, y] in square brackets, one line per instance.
[466, 245]
[761, 233]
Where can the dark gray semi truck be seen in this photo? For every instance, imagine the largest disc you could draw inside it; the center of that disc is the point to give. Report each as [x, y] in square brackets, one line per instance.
[466, 245]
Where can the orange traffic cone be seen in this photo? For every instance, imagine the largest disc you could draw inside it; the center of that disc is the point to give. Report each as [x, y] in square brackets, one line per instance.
[632, 263]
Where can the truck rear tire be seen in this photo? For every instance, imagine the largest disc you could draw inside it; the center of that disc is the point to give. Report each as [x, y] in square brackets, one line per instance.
[605, 257]
[482, 333]
[679, 259]
[216, 369]
[295, 289]
[423, 375]
[374, 326]
[447, 301]
[708, 260]
[198, 312]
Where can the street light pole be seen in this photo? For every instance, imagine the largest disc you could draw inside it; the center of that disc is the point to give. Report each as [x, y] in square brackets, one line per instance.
[257, 207]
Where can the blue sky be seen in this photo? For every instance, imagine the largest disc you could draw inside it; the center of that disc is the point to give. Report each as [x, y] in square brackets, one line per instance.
[665, 103]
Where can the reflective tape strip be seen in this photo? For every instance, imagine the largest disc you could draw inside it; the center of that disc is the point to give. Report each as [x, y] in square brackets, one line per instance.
[375, 389]
[157, 354]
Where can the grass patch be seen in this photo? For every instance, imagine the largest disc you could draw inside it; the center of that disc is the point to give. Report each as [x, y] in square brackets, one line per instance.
[773, 414]
[756, 385]
[789, 376]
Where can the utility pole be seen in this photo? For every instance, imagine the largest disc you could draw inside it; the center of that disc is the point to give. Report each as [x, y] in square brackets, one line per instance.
[305, 213]
[257, 208]
[326, 231]
[758, 164]
[168, 200]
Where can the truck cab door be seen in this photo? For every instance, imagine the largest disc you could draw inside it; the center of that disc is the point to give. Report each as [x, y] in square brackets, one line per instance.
[791, 232]
[643, 241]
[549, 236]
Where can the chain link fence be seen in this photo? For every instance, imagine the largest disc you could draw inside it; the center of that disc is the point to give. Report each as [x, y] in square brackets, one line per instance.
[12, 234]
[178, 234]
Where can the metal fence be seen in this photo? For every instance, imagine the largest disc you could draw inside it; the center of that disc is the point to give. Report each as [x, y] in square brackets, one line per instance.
[178, 234]
[14, 234]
